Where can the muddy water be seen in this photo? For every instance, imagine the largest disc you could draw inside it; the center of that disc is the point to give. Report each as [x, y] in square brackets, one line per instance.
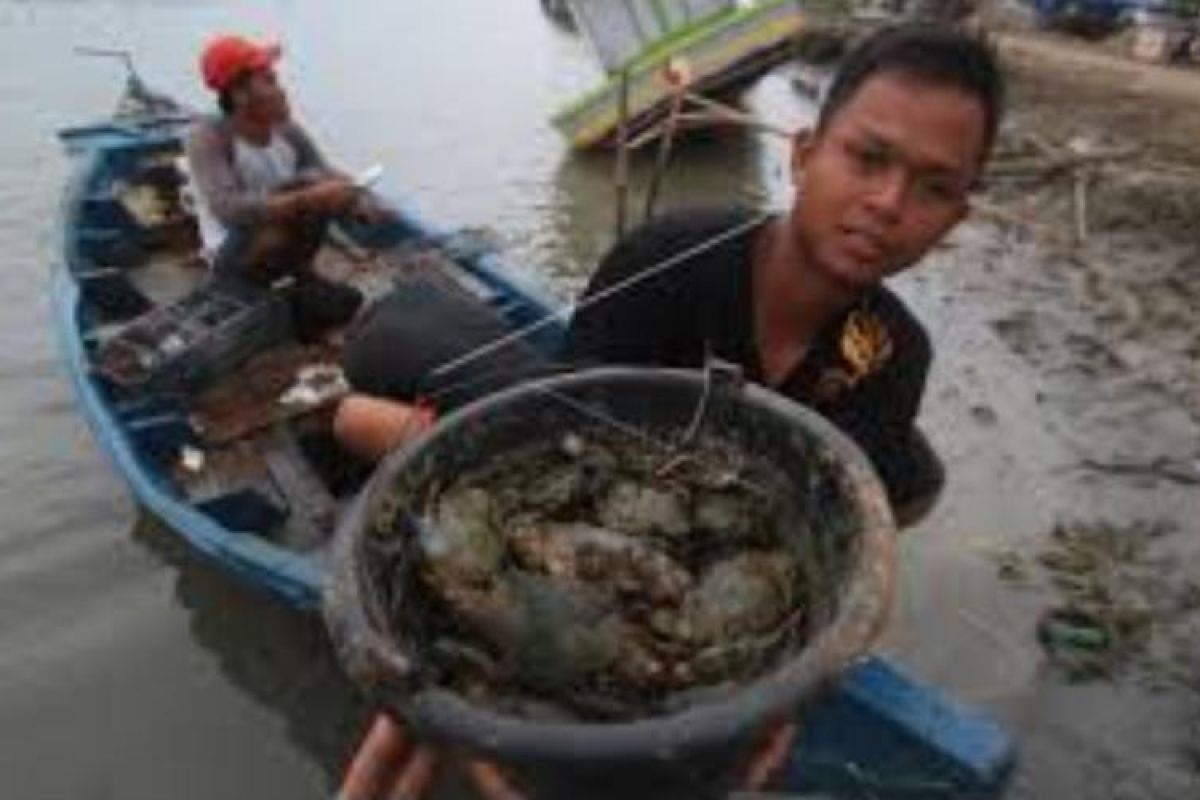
[128, 669]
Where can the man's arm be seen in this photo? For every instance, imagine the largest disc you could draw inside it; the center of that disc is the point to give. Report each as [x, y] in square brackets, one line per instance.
[314, 169]
[207, 153]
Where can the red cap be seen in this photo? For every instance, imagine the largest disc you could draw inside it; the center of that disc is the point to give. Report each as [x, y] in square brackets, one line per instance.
[226, 57]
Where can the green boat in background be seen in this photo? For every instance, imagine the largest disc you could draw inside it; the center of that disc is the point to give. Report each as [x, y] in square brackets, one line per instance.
[720, 45]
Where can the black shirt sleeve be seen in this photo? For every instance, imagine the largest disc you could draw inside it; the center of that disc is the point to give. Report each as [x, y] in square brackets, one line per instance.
[614, 329]
[656, 321]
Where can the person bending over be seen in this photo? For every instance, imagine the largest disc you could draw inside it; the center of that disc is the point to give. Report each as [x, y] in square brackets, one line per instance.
[797, 299]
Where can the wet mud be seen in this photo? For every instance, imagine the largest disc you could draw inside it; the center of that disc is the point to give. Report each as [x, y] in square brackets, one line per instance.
[1064, 401]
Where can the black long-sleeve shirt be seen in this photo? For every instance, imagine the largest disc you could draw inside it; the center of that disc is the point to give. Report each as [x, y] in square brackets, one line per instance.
[865, 371]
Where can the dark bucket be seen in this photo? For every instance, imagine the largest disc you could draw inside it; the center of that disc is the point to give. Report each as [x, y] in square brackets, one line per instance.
[690, 753]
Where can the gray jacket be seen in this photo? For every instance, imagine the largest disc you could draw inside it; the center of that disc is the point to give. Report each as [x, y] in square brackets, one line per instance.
[209, 151]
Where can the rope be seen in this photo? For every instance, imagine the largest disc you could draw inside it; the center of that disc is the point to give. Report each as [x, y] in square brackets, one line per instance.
[599, 297]
[584, 410]
[669, 128]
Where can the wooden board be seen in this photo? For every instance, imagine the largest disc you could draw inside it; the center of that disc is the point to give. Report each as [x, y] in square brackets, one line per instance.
[247, 400]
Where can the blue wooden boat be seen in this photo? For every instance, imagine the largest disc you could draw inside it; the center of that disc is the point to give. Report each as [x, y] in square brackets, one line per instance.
[117, 268]
[128, 254]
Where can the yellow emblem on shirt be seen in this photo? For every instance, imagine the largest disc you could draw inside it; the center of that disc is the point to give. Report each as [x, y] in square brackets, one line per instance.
[865, 344]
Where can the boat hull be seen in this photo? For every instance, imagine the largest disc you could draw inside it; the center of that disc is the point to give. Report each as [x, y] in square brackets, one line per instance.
[723, 56]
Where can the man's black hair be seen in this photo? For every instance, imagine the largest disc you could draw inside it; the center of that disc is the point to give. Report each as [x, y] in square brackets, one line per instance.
[225, 96]
[936, 54]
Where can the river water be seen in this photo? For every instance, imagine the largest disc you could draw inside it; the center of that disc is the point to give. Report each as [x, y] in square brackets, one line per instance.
[127, 668]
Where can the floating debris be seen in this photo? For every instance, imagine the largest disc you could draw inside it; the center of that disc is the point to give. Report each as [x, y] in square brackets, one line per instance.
[1116, 597]
[1077, 642]
[1011, 566]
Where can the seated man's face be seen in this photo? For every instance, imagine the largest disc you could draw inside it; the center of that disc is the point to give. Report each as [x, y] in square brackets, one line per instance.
[887, 177]
[265, 98]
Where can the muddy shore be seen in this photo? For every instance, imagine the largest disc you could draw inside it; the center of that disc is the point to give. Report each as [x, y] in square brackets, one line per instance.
[1064, 392]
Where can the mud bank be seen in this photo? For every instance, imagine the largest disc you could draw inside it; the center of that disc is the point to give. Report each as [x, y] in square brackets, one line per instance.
[1064, 393]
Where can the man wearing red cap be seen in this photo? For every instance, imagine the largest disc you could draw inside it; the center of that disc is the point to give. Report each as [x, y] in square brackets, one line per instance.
[266, 194]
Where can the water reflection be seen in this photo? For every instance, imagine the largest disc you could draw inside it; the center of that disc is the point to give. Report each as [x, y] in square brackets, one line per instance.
[723, 166]
[716, 168]
[277, 656]
[453, 98]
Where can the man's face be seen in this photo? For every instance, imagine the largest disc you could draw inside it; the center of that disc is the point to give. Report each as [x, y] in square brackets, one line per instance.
[263, 97]
[887, 177]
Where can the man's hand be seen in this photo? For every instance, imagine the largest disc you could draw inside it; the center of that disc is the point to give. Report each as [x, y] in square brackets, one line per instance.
[368, 211]
[329, 196]
[770, 757]
[390, 765]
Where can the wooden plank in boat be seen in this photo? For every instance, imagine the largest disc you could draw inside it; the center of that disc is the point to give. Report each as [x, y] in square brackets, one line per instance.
[247, 400]
[311, 508]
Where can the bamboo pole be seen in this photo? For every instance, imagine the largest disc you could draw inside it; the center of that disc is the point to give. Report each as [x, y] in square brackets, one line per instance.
[621, 181]
[664, 153]
[1081, 213]
[730, 114]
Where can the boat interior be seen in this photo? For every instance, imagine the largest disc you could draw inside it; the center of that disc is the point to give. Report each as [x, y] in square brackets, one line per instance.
[216, 395]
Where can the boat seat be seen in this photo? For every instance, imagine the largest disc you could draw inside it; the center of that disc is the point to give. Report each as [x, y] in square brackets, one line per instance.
[98, 274]
[311, 508]
[246, 509]
[109, 295]
[148, 405]
[105, 210]
[110, 249]
[159, 437]
[264, 485]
